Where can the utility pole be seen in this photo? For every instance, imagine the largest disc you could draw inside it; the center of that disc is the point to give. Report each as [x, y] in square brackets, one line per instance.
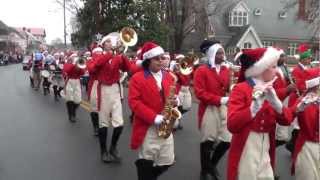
[64, 23]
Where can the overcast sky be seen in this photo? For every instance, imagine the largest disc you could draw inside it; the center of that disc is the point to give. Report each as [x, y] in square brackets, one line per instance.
[46, 14]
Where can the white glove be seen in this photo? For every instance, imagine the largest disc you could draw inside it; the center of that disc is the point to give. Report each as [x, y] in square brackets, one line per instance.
[224, 100]
[273, 99]
[256, 106]
[158, 120]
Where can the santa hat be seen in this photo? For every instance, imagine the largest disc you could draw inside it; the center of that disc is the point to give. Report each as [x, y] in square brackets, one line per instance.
[314, 78]
[304, 52]
[179, 56]
[150, 50]
[255, 61]
[97, 50]
[114, 37]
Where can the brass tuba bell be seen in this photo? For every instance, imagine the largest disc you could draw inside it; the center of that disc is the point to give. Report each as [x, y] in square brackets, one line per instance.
[128, 37]
[187, 64]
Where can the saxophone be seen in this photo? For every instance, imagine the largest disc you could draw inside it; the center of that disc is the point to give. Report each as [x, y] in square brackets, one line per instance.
[170, 115]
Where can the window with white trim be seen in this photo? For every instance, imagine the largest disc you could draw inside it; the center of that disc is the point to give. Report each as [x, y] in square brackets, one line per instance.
[247, 45]
[238, 18]
[267, 43]
[292, 48]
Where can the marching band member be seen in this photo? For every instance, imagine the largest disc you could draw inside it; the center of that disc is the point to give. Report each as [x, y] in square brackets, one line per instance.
[183, 89]
[73, 72]
[253, 110]
[211, 84]
[92, 89]
[57, 78]
[108, 67]
[299, 75]
[306, 156]
[283, 86]
[36, 69]
[148, 90]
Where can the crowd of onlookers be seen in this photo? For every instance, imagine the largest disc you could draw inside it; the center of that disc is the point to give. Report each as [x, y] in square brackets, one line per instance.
[10, 58]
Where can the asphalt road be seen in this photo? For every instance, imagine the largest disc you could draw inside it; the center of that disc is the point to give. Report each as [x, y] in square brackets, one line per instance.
[37, 142]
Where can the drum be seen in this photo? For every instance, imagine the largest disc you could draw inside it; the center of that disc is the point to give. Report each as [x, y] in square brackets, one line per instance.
[45, 74]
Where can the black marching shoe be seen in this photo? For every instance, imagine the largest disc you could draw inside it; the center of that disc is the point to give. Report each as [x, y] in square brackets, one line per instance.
[95, 122]
[115, 154]
[105, 157]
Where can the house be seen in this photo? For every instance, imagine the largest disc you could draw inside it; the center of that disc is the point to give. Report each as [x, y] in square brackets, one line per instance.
[255, 23]
[38, 33]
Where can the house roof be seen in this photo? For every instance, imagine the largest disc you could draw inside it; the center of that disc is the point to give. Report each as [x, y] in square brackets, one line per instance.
[4, 29]
[238, 35]
[267, 25]
[34, 31]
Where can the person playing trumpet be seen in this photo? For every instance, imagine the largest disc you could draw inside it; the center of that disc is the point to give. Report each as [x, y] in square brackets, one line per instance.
[253, 110]
[73, 71]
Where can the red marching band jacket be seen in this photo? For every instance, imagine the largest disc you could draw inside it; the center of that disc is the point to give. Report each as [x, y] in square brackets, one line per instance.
[280, 86]
[309, 129]
[240, 123]
[183, 80]
[93, 74]
[72, 72]
[210, 87]
[108, 66]
[299, 76]
[146, 101]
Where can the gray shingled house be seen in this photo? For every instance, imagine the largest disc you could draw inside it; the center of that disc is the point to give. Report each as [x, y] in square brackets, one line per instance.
[257, 23]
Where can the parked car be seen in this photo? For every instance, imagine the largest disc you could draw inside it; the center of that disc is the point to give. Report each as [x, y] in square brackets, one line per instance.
[4, 60]
[26, 65]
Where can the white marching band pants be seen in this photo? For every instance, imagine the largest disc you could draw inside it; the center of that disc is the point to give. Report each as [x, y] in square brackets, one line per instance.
[73, 91]
[110, 114]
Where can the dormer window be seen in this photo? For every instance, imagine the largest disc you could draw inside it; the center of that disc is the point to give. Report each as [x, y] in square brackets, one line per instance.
[282, 14]
[239, 16]
[257, 12]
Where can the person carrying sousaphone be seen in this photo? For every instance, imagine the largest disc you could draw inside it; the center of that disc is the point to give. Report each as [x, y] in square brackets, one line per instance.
[211, 85]
[107, 67]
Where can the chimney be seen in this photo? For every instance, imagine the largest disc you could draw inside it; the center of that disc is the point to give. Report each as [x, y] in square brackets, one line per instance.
[302, 10]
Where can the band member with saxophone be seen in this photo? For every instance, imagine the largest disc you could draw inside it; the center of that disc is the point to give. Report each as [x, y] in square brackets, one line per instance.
[283, 86]
[306, 156]
[211, 84]
[253, 110]
[148, 93]
[108, 67]
[299, 75]
[92, 89]
[73, 72]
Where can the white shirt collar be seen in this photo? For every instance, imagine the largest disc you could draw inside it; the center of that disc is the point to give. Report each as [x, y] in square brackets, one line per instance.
[302, 66]
[158, 77]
